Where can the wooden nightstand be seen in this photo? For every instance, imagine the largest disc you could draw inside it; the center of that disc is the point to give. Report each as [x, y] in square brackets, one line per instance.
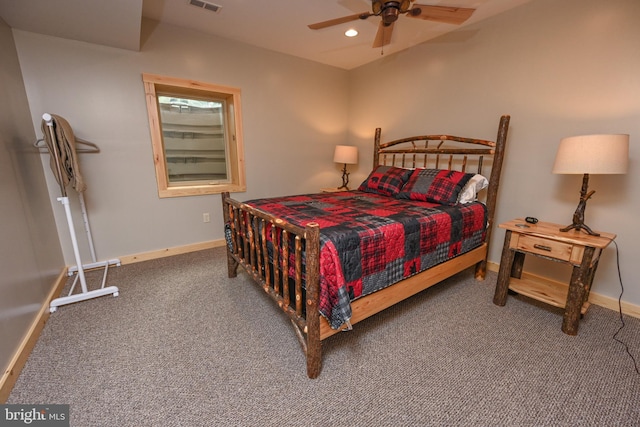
[545, 240]
[332, 190]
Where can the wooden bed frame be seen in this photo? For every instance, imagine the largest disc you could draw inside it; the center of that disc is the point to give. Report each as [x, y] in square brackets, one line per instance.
[249, 250]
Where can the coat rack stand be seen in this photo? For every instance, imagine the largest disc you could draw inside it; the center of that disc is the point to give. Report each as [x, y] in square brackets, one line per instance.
[79, 268]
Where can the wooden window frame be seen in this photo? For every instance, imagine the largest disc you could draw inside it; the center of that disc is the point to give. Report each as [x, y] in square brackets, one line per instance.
[235, 155]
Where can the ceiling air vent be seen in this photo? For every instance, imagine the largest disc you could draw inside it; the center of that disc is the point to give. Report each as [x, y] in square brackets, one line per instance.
[206, 5]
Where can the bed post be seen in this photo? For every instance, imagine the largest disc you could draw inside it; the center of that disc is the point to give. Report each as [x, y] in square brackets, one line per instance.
[376, 148]
[314, 345]
[492, 190]
[232, 264]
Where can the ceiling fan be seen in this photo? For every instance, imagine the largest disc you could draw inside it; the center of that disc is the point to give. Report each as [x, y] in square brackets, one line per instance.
[390, 10]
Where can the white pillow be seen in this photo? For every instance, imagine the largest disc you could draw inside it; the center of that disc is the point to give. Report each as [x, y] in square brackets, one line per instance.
[470, 191]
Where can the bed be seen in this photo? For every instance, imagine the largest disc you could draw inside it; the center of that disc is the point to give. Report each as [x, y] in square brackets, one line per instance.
[330, 260]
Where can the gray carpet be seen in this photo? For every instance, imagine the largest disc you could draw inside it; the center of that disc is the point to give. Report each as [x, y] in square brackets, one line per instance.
[183, 345]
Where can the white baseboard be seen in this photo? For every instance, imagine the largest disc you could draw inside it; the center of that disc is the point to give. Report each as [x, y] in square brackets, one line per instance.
[594, 298]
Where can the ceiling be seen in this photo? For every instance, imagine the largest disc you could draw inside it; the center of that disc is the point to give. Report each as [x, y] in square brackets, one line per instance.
[278, 25]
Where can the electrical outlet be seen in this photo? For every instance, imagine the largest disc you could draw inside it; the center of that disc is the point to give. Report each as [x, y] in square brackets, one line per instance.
[206, 217]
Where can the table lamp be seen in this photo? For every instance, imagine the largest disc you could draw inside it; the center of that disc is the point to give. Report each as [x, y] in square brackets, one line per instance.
[347, 155]
[590, 154]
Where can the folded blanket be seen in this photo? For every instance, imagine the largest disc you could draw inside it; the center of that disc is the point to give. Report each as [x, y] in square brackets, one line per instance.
[64, 145]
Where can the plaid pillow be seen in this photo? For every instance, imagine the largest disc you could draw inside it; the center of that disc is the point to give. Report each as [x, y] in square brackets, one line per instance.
[385, 180]
[435, 186]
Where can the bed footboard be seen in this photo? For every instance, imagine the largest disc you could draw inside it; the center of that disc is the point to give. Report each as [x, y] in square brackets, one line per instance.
[284, 260]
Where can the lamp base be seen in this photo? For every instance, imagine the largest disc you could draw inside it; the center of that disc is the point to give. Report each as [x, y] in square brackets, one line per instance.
[345, 178]
[578, 216]
[579, 227]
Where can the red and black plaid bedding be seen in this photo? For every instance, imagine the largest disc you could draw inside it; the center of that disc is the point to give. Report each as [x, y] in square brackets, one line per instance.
[368, 241]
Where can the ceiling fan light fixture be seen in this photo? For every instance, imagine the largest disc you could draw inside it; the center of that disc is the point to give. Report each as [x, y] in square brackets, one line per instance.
[389, 15]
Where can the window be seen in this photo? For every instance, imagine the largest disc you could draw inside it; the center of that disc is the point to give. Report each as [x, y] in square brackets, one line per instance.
[196, 135]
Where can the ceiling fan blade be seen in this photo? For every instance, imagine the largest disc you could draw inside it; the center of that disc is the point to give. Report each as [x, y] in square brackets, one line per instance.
[383, 36]
[445, 14]
[337, 21]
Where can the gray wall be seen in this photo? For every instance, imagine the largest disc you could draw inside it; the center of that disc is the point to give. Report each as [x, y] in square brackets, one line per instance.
[560, 69]
[30, 254]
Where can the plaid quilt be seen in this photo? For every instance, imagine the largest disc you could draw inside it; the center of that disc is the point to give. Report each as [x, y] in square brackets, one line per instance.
[369, 241]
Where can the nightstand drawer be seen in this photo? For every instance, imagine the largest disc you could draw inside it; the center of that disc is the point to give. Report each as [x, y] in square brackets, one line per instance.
[545, 247]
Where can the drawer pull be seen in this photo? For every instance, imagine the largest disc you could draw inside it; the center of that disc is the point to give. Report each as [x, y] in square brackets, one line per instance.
[542, 247]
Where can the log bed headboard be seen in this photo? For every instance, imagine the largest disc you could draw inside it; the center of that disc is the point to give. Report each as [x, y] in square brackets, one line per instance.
[450, 152]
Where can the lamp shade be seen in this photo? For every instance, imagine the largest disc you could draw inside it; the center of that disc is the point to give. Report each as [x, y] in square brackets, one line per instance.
[346, 154]
[593, 154]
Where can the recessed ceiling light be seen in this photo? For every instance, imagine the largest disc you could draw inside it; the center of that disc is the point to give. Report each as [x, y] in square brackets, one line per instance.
[351, 32]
